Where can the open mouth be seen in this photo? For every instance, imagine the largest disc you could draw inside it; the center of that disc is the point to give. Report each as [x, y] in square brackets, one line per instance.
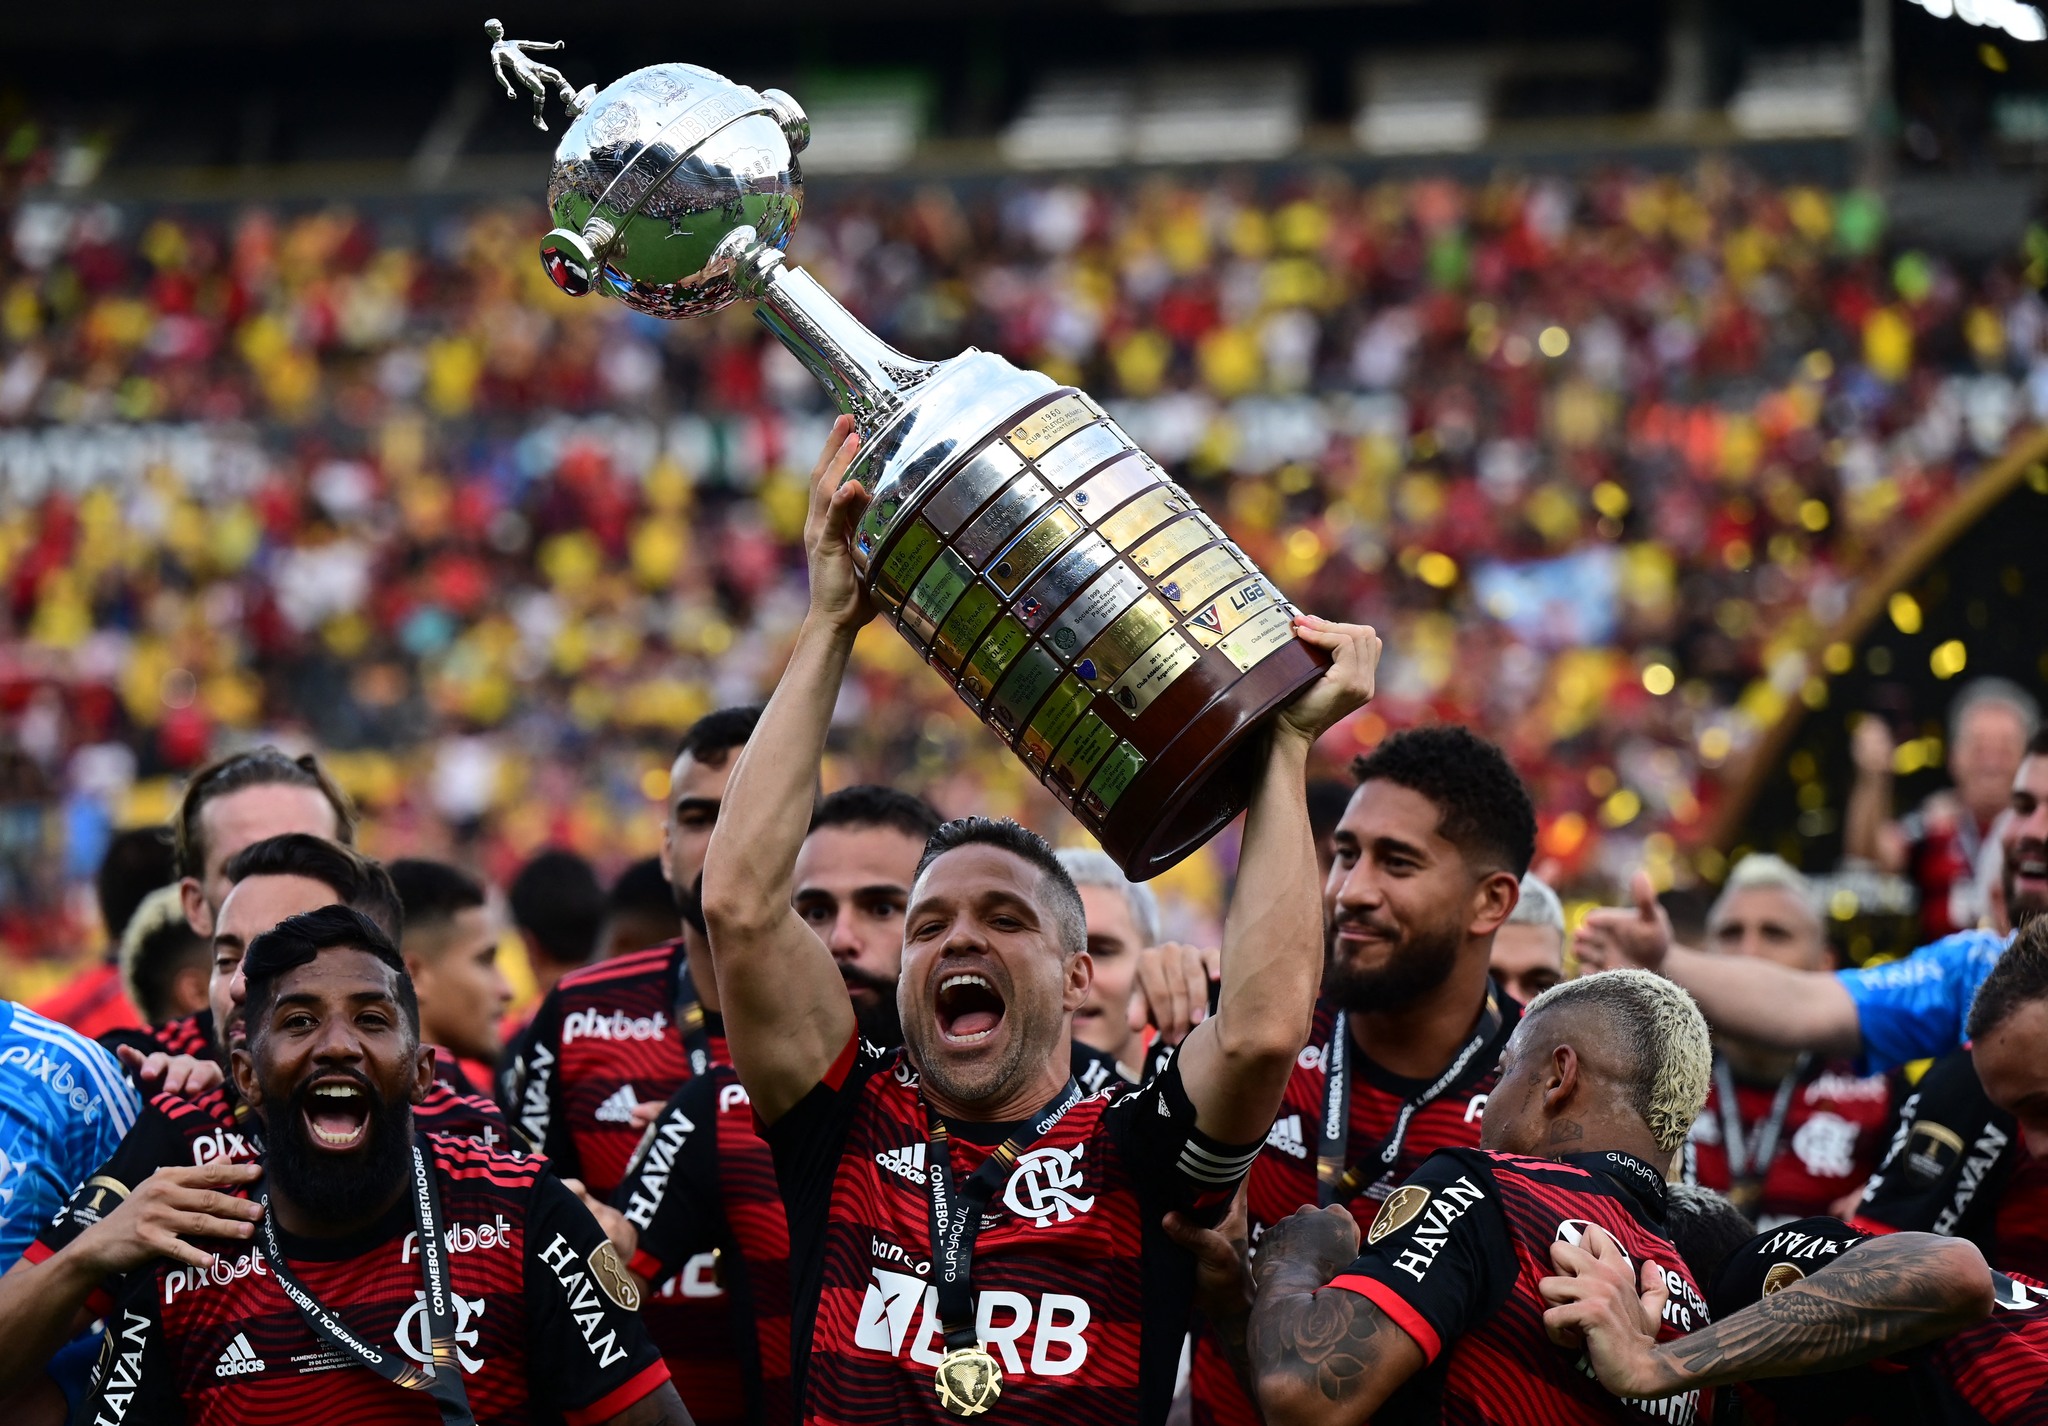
[337, 1114]
[969, 1008]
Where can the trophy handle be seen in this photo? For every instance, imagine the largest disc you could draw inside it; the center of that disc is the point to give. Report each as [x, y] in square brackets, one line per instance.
[869, 379]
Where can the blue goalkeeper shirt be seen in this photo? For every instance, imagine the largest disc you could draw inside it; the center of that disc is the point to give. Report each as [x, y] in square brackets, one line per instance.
[1915, 1009]
[64, 1105]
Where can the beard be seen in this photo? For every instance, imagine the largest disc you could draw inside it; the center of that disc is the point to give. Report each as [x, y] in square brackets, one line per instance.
[2019, 910]
[1417, 965]
[875, 1013]
[336, 1186]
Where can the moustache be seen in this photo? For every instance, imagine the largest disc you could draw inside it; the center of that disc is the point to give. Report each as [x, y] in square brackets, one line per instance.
[1368, 926]
[858, 979]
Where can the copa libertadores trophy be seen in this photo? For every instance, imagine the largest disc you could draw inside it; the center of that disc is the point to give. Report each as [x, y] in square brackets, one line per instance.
[1078, 600]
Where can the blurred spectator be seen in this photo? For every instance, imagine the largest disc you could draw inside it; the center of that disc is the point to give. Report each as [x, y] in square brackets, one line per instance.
[138, 863]
[1528, 952]
[1785, 1135]
[1123, 919]
[559, 910]
[164, 963]
[450, 946]
[640, 910]
[1943, 847]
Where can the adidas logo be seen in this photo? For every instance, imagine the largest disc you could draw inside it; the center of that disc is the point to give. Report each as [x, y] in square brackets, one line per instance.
[1286, 1137]
[618, 1109]
[907, 1161]
[239, 1359]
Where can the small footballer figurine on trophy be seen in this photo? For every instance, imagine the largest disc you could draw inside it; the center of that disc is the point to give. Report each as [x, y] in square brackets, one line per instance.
[1080, 602]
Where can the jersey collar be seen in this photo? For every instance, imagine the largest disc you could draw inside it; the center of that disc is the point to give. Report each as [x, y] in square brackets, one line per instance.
[1642, 1186]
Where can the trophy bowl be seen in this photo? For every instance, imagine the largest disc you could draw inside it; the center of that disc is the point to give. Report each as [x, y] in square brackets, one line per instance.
[1079, 601]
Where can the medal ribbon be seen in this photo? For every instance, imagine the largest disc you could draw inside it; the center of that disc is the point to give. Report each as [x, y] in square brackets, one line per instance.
[1337, 1179]
[689, 1016]
[956, 1215]
[444, 1385]
[1749, 1163]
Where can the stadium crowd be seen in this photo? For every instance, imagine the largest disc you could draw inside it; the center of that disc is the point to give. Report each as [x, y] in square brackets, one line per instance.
[1602, 457]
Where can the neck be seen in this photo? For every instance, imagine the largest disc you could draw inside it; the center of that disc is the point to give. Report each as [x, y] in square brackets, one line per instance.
[545, 974]
[1419, 1040]
[296, 1221]
[1759, 1064]
[703, 974]
[1007, 1103]
[1621, 1134]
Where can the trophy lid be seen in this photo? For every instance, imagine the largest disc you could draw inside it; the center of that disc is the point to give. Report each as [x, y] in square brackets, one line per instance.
[657, 172]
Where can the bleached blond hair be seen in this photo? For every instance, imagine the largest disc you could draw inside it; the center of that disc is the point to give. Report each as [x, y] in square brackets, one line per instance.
[1662, 1031]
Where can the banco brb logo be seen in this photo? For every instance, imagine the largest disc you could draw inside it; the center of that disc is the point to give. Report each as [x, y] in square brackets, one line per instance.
[1046, 1186]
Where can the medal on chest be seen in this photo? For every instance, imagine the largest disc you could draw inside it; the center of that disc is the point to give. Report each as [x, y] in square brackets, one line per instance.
[969, 1381]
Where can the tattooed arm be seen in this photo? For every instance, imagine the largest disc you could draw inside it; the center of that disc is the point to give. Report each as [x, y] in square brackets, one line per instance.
[1319, 1355]
[1881, 1296]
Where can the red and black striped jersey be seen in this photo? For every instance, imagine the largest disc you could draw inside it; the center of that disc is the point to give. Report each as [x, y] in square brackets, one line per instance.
[1992, 1371]
[1958, 1166]
[187, 1035]
[702, 1188]
[1836, 1125]
[1079, 1294]
[1454, 1258]
[603, 1041]
[94, 1004]
[544, 1320]
[175, 1131]
[1284, 1178]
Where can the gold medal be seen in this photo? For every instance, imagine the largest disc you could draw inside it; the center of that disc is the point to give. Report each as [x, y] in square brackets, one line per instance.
[969, 1381]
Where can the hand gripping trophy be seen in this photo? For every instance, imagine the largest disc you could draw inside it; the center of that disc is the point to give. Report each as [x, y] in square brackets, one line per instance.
[509, 62]
[1080, 602]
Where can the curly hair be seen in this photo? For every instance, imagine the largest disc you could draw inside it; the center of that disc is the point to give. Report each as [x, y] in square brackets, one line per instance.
[1484, 810]
[2020, 977]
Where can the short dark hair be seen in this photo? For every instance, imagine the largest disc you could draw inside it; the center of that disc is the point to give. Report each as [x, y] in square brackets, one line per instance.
[138, 861]
[870, 804]
[1069, 916]
[257, 767]
[2019, 977]
[641, 887]
[157, 944]
[716, 734]
[1705, 1228]
[433, 892]
[1483, 808]
[296, 940]
[558, 906]
[2037, 746]
[356, 881]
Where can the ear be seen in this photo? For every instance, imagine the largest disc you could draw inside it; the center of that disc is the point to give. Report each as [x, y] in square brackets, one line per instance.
[242, 1068]
[422, 1073]
[1561, 1081]
[1080, 976]
[196, 915]
[188, 989]
[1493, 901]
[668, 847]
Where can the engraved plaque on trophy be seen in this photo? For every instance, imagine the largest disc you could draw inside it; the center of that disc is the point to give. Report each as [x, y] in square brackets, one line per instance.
[1076, 598]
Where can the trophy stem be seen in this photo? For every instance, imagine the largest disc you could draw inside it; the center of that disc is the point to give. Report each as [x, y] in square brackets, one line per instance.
[868, 378]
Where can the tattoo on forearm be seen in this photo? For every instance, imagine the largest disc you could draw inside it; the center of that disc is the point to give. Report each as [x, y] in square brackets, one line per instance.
[1884, 1296]
[1330, 1340]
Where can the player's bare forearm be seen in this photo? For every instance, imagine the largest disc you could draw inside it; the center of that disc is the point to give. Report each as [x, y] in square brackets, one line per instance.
[42, 1306]
[1885, 1295]
[787, 1016]
[1760, 1000]
[1323, 1356]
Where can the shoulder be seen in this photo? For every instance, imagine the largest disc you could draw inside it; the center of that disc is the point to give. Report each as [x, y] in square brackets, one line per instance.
[466, 1161]
[637, 965]
[58, 1064]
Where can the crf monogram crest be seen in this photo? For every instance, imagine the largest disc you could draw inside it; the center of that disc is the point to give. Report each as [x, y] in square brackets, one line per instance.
[1046, 1186]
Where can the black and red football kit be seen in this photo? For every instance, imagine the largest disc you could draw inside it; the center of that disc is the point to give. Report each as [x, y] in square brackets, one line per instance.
[1958, 1166]
[543, 1321]
[95, 1003]
[1991, 1373]
[1076, 1290]
[176, 1131]
[608, 1037]
[1793, 1147]
[1285, 1176]
[1454, 1258]
[187, 1035]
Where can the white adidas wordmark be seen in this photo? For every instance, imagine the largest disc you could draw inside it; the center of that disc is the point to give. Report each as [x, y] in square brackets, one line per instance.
[618, 1109]
[1286, 1137]
[239, 1359]
[907, 1161]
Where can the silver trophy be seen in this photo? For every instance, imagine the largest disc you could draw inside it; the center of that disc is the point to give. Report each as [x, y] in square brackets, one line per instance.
[1078, 600]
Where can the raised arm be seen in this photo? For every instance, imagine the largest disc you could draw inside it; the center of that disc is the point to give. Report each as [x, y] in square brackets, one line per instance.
[1881, 1296]
[1741, 995]
[1235, 1064]
[787, 1016]
[1319, 1355]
